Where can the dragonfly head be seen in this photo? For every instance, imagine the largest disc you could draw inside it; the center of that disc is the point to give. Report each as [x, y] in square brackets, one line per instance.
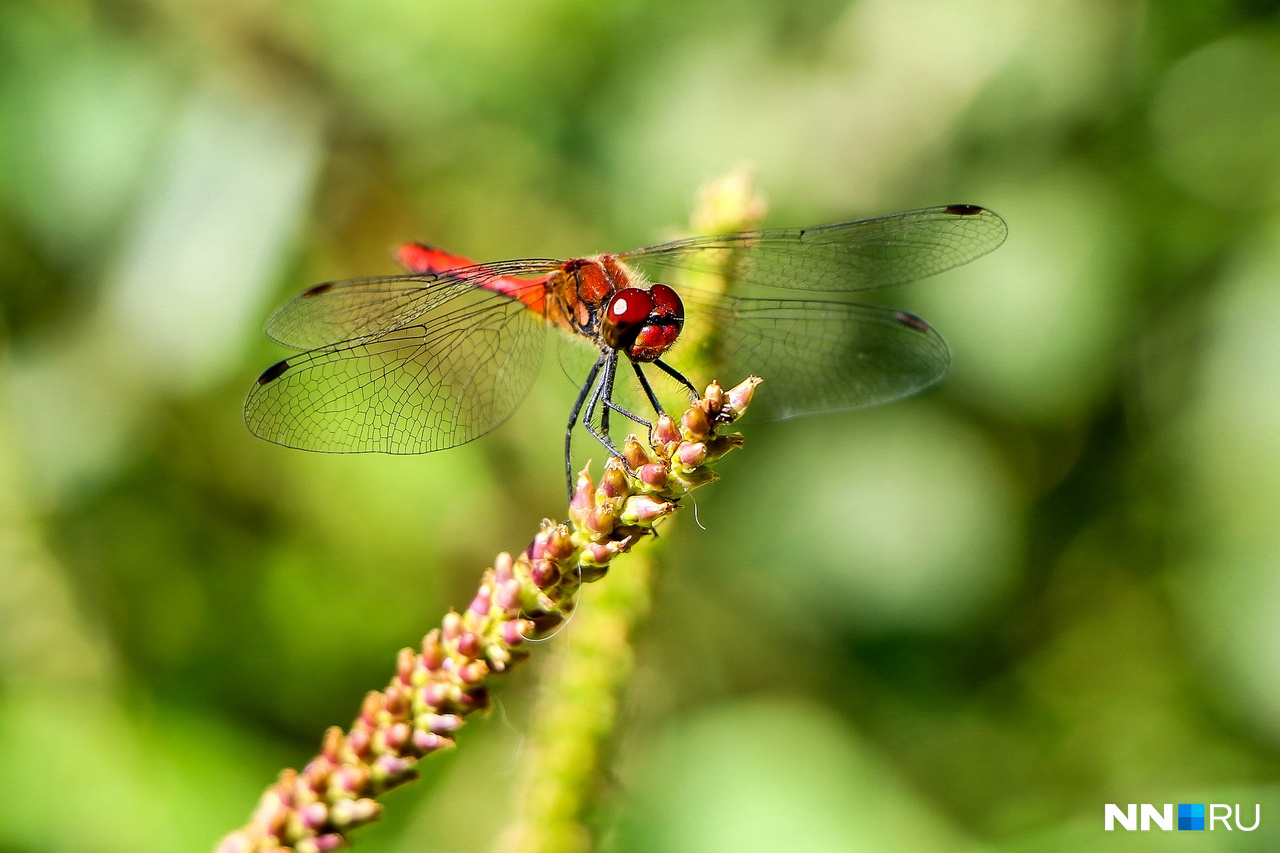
[643, 323]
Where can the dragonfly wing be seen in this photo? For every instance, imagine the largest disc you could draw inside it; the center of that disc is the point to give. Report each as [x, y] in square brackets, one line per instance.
[364, 308]
[461, 369]
[846, 257]
[821, 356]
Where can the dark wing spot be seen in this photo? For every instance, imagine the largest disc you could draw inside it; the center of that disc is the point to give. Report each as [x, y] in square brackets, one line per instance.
[273, 372]
[318, 289]
[963, 209]
[908, 320]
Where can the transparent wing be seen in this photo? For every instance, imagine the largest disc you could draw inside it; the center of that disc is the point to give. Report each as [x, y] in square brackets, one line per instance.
[847, 257]
[460, 369]
[818, 356]
[368, 307]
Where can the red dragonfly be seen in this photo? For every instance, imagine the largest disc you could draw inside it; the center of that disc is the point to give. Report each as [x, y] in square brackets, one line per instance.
[440, 356]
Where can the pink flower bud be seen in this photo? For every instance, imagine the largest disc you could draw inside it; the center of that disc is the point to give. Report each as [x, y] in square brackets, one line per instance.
[601, 520]
[435, 694]
[654, 475]
[560, 543]
[508, 595]
[314, 815]
[480, 604]
[349, 778]
[715, 398]
[390, 766]
[439, 723]
[545, 573]
[634, 452]
[582, 491]
[430, 741]
[696, 422]
[692, 454]
[739, 397]
[614, 481]
[599, 553]
[358, 740]
[469, 645]
[396, 703]
[644, 509]
[497, 656]
[371, 707]
[332, 745]
[396, 736]
[272, 811]
[316, 774]
[538, 547]
[351, 813]
[503, 568]
[432, 654]
[406, 662]
[474, 672]
[516, 631]
[665, 430]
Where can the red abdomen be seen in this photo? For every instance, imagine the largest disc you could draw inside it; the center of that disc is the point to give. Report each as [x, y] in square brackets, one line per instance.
[421, 259]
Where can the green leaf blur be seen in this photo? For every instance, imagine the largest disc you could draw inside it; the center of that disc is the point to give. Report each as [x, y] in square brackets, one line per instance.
[962, 622]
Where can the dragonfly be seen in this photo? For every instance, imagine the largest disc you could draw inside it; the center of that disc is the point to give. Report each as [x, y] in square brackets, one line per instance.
[444, 353]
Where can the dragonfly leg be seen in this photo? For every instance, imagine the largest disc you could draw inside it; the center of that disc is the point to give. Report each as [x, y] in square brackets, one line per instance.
[629, 415]
[648, 391]
[587, 388]
[679, 377]
[632, 415]
[603, 390]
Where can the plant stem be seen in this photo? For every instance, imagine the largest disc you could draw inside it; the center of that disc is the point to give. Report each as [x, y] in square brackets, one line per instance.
[564, 761]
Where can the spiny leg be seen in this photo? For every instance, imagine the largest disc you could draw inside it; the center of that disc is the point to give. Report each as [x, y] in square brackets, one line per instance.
[603, 388]
[607, 400]
[587, 387]
[606, 383]
[626, 413]
[648, 389]
[677, 376]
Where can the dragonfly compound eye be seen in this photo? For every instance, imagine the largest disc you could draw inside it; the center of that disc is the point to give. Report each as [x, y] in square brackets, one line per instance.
[630, 306]
[661, 328]
[625, 315]
[653, 340]
[666, 303]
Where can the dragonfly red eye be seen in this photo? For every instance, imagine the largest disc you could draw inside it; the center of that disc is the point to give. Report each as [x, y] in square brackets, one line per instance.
[630, 306]
[666, 302]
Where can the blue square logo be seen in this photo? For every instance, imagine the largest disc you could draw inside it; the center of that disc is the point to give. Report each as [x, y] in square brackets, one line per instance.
[1191, 816]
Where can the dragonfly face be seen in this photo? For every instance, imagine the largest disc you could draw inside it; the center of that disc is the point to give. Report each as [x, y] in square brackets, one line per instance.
[644, 324]
[429, 360]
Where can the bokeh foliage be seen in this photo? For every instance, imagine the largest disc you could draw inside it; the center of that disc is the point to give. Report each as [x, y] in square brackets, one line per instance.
[964, 621]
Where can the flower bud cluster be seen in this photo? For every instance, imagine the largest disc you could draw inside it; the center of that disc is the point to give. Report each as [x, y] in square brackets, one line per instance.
[521, 598]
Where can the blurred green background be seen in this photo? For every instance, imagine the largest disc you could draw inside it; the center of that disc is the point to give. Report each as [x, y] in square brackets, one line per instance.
[963, 622]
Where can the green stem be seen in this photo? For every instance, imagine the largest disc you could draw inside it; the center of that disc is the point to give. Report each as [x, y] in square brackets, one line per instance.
[567, 756]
